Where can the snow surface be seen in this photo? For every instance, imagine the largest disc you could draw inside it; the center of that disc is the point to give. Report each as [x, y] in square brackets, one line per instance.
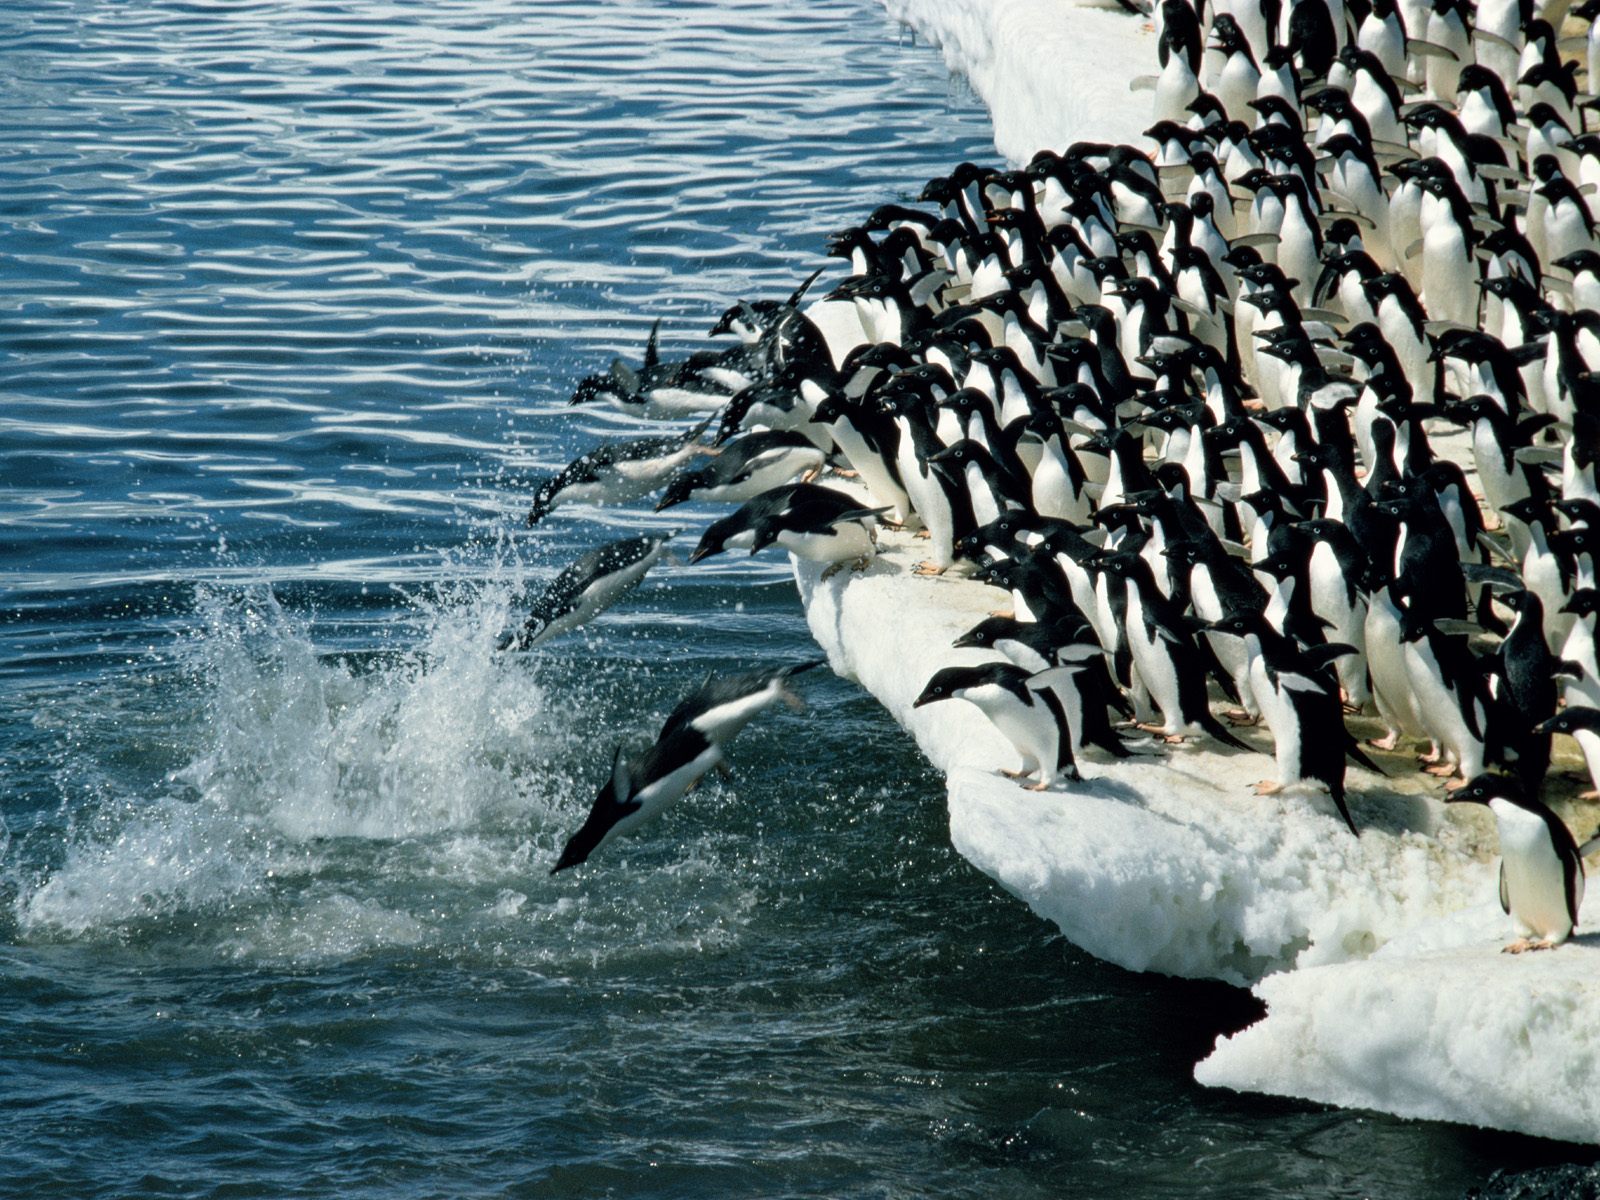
[1051, 72]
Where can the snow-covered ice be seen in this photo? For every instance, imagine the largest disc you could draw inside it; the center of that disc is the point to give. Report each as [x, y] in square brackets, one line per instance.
[1051, 72]
[1438, 1024]
[1167, 862]
[1379, 958]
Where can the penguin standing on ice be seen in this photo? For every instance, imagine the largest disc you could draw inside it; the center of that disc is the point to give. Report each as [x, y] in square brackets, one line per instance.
[1030, 719]
[1299, 699]
[1170, 664]
[1541, 871]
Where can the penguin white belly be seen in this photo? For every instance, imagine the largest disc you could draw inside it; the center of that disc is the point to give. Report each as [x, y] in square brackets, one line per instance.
[1330, 600]
[655, 797]
[1449, 278]
[872, 470]
[844, 542]
[1391, 686]
[985, 507]
[774, 471]
[1155, 666]
[1282, 721]
[1440, 711]
[1053, 491]
[932, 505]
[1030, 728]
[1534, 879]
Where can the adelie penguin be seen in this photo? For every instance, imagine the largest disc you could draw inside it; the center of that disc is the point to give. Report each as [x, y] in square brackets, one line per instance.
[755, 463]
[592, 584]
[689, 745]
[1029, 718]
[1541, 870]
[1299, 699]
[617, 472]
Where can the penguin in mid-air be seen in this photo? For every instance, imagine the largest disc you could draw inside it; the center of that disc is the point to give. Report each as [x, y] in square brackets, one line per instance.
[690, 744]
[745, 468]
[617, 472]
[1541, 871]
[592, 584]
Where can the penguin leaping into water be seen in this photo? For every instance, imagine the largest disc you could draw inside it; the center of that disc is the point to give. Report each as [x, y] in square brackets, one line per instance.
[592, 584]
[690, 744]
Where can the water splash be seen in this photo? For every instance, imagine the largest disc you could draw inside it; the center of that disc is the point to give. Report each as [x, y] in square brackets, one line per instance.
[297, 751]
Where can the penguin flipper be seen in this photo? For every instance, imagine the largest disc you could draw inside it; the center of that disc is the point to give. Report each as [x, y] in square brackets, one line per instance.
[1505, 899]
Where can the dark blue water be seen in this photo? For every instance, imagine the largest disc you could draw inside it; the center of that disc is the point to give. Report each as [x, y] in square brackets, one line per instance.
[291, 298]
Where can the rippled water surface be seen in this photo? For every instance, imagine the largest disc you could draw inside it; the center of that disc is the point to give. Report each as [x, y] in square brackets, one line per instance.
[291, 299]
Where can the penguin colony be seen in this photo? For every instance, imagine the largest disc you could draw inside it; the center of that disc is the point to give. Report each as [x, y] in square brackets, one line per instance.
[1182, 405]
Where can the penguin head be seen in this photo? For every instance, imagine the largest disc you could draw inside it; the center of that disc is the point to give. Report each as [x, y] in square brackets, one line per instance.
[1332, 102]
[1570, 720]
[1464, 411]
[987, 632]
[719, 534]
[1530, 510]
[1483, 789]
[1229, 37]
[1579, 262]
[1239, 624]
[1580, 512]
[1573, 542]
[953, 683]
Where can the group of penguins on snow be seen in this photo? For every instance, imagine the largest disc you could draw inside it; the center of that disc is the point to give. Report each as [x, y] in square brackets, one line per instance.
[1183, 405]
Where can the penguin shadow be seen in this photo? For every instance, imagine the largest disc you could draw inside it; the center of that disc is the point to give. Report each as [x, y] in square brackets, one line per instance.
[1103, 787]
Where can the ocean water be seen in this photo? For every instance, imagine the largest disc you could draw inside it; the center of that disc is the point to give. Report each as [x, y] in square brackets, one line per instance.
[292, 296]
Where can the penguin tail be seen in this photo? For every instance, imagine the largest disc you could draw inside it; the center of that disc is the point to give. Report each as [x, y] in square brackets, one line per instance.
[1337, 792]
[1112, 744]
[1358, 755]
[1214, 727]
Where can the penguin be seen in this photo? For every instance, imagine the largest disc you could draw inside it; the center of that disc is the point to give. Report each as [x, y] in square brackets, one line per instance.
[739, 529]
[868, 439]
[663, 390]
[1299, 700]
[588, 587]
[690, 744]
[743, 469]
[1172, 667]
[1084, 688]
[1028, 717]
[813, 527]
[617, 472]
[1541, 871]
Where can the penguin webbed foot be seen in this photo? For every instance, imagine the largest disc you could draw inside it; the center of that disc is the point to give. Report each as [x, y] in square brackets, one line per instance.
[928, 567]
[923, 533]
[1268, 787]
[1527, 946]
[1238, 717]
[1387, 742]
